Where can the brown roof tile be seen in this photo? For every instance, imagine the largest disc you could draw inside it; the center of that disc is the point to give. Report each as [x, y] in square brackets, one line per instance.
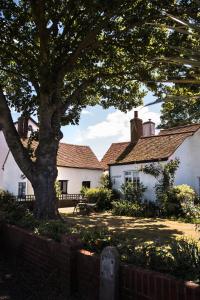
[77, 156]
[112, 154]
[74, 156]
[179, 129]
[152, 148]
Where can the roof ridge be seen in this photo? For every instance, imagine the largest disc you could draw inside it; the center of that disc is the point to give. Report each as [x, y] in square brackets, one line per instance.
[181, 126]
[121, 143]
[173, 133]
[74, 145]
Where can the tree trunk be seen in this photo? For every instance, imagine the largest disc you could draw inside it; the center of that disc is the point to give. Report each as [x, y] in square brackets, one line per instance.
[46, 206]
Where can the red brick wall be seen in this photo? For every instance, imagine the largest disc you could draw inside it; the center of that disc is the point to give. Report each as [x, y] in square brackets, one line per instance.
[42, 254]
[141, 284]
[79, 269]
[88, 268]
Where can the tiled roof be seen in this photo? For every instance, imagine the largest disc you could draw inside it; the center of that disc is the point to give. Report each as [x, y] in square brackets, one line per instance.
[179, 129]
[152, 148]
[112, 154]
[75, 156]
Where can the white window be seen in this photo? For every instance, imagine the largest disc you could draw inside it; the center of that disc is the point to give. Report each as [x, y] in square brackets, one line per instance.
[132, 176]
[115, 180]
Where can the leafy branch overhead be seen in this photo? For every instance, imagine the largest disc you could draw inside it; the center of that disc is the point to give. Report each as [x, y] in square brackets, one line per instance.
[94, 52]
[58, 56]
[181, 98]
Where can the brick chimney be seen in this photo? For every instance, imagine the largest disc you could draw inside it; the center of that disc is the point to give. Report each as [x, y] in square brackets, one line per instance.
[148, 128]
[22, 127]
[136, 128]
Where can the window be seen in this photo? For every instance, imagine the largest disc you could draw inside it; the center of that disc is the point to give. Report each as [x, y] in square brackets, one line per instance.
[22, 189]
[116, 181]
[63, 186]
[86, 184]
[132, 176]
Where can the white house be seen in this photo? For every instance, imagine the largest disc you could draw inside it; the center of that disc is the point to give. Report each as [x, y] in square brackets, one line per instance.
[77, 166]
[125, 160]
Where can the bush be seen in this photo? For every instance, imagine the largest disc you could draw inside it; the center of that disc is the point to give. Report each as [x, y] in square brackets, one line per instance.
[181, 258]
[105, 181]
[149, 209]
[101, 196]
[184, 201]
[95, 238]
[11, 210]
[186, 259]
[126, 208]
[133, 192]
[53, 229]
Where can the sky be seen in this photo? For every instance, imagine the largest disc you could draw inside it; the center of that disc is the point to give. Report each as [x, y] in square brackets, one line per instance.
[99, 128]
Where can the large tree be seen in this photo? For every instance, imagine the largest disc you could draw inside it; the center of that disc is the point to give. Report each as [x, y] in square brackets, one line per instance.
[180, 62]
[59, 56]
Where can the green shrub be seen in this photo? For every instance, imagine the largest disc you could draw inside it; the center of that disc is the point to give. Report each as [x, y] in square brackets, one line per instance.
[5, 196]
[186, 259]
[126, 208]
[101, 196]
[95, 238]
[133, 192]
[184, 200]
[27, 221]
[149, 209]
[53, 229]
[105, 181]
[11, 210]
[181, 258]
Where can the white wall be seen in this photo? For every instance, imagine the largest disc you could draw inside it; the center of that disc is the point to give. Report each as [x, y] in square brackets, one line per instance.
[3, 153]
[189, 169]
[77, 176]
[12, 175]
[147, 180]
[188, 172]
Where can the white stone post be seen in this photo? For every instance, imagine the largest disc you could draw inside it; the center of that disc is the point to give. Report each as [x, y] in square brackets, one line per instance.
[109, 274]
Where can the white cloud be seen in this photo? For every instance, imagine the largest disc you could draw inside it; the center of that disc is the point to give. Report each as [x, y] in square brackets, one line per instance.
[86, 112]
[117, 124]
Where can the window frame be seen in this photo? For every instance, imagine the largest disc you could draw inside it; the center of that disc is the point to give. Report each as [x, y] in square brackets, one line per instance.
[133, 177]
[85, 186]
[61, 186]
[21, 189]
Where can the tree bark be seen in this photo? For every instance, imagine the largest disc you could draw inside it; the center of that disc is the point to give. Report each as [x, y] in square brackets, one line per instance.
[46, 206]
[46, 202]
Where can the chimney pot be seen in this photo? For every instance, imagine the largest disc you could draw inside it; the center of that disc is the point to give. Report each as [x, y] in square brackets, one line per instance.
[148, 128]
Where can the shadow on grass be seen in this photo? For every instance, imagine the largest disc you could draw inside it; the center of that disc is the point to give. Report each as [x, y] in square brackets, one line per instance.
[138, 230]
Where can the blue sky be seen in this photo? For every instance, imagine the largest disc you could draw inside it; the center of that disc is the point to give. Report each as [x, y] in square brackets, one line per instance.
[98, 128]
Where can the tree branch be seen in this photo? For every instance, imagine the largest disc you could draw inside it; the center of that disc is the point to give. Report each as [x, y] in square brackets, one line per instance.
[38, 11]
[12, 138]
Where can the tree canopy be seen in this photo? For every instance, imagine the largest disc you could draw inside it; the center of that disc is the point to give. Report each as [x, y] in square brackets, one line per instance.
[59, 56]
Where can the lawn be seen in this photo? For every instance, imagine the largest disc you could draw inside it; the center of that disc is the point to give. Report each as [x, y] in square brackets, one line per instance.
[137, 229]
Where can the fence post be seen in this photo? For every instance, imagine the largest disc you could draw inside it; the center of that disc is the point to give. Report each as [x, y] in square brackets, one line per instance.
[109, 274]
